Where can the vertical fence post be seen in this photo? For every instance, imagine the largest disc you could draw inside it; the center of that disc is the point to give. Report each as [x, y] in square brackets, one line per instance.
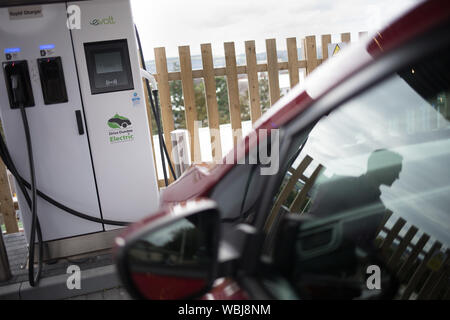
[6, 202]
[395, 230]
[164, 97]
[291, 44]
[253, 84]
[406, 266]
[441, 282]
[287, 189]
[190, 110]
[326, 39]
[345, 37]
[233, 91]
[211, 101]
[309, 45]
[272, 70]
[419, 272]
[435, 276]
[310, 61]
[385, 219]
[395, 258]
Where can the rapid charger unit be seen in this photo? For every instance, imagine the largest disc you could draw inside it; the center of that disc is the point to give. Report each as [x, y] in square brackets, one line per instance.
[87, 116]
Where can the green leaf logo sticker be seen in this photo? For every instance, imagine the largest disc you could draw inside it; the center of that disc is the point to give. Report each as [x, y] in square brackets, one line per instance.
[118, 122]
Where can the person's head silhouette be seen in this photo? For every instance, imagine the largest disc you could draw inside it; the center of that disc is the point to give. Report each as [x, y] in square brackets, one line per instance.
[384, 166]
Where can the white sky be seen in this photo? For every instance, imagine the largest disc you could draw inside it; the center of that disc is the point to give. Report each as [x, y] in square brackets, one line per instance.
[172, 23]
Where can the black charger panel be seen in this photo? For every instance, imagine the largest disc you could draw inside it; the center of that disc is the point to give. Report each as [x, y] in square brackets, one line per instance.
[22, 94]
[52, 80]
[109, 66]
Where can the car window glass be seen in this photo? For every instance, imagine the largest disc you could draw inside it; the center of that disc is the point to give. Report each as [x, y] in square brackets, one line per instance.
[237, 194]
[385, 155]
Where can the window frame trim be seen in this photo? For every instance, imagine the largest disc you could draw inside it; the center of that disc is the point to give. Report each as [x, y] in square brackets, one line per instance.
[368, 77]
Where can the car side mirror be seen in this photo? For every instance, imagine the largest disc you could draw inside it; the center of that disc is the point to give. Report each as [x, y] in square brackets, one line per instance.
[174, 257]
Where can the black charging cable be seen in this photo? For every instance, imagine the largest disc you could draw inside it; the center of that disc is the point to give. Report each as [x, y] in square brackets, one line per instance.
[155, 110]
[23, 186]
[19, 98]
[6, 157]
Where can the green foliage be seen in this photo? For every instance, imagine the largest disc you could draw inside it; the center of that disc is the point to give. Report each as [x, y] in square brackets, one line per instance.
[244, 102]
[200, 102]
[177, 101]
[178, 110]
[264, 95]
[222, 100]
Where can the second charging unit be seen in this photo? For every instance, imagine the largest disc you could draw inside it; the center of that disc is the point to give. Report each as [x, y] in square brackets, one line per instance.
[86, 109]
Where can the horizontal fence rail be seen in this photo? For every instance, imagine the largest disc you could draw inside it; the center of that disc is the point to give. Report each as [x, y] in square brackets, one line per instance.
[424, 274]
[422, 266]
[272, 66]
[231, 71]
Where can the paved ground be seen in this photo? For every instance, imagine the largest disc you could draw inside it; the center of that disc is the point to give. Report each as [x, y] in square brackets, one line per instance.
[16, 247]
[99, 279]
[110, 294]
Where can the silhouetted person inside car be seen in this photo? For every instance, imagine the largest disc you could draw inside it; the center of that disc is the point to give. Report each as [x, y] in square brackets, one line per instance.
[340, 260]
[343, 194]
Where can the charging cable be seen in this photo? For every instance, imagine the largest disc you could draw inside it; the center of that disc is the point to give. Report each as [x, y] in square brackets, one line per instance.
[149, 77]
[19, 98]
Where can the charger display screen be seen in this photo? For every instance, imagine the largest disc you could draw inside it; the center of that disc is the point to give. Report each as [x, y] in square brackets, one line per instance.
[108, 64]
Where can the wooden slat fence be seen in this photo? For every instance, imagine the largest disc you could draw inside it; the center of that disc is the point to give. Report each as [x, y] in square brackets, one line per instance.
[423, 273]
[232, 71]
[7, 206]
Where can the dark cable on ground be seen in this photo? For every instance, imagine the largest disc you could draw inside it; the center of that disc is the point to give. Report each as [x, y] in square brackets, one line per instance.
[6, 157]
[19, 99]
[24, 185]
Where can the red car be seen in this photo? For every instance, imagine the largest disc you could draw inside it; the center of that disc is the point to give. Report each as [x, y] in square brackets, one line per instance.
[357, 206]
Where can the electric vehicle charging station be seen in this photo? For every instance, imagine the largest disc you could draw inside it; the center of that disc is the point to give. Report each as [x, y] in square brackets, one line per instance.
[82, 92]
